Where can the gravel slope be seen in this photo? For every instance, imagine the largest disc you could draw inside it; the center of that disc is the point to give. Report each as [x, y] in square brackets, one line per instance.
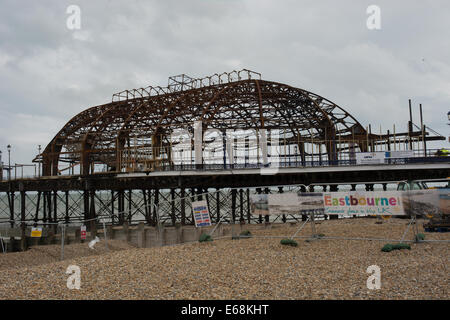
[254, 268]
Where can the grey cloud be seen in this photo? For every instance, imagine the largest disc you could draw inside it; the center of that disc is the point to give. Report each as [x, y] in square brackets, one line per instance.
[49, 73]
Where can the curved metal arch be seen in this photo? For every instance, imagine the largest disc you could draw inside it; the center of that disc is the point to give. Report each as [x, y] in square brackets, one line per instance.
[52, 151]
[229, 100]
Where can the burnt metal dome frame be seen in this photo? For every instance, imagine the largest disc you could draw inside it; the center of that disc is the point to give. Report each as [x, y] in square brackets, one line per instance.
[235, 100]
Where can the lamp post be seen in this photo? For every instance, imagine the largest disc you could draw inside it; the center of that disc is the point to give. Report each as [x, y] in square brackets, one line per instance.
[39, 163]
[9, 161]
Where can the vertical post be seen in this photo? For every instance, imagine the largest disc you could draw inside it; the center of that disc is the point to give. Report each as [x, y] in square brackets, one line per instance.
[410, 126]
[353, 189]
[146, 205]
[36, 217]
[130, 199]
[324, 188]
[267, 217]
[224, 142]
[156, 205]
[104, 233]
[63, 234]
[86, 204]
[172, 206]
[424, 140]
[121, 208]
[67, 207]
[280, 190]
[313, 225]
[218, 204]
[92, 213]
[49, 206]
[112, 207]
[303, 189]
[233, 205]
[260, 219]
[23, 239]
[44, 208]
[241, 205]
[11, 208]
[248, 206]
[183, 206]
[388, 140]
[55, 209]
[423, 131]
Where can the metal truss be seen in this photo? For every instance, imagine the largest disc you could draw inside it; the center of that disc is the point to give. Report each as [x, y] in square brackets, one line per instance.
[138, 125]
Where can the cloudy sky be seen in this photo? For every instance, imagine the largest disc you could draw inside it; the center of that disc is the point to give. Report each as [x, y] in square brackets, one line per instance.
[49, 73]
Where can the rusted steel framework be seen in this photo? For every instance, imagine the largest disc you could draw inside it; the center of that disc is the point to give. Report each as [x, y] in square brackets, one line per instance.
[136, 130]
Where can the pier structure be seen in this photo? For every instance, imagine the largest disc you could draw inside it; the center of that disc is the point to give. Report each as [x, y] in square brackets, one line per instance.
[145, 156]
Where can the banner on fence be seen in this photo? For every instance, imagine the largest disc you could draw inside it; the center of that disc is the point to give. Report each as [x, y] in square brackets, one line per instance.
[286, 203]
[259, 204]
[429, 202]
[400, 154]
[36, 232]
[370, 157]
[332, 203]
[283, 203]
[201, 214]
[310, 201]
[363, 203]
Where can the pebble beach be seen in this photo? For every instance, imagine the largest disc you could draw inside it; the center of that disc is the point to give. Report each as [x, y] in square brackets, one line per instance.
[255, 268]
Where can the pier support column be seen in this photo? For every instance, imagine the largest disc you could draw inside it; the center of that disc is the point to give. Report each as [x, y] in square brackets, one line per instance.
[93, 215]
[217, 205]
[248, 207]
[121, 213]
[55, 211]
[66, 216]
[130, 203]
[156, 202]
[241, 205]
[183, 206]
[172, 206]
[38, 204]
[86, 204]
[267, 217]
[260, 219]
[11, 208]
[233, 205]
[112, 207]
[23, 239]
